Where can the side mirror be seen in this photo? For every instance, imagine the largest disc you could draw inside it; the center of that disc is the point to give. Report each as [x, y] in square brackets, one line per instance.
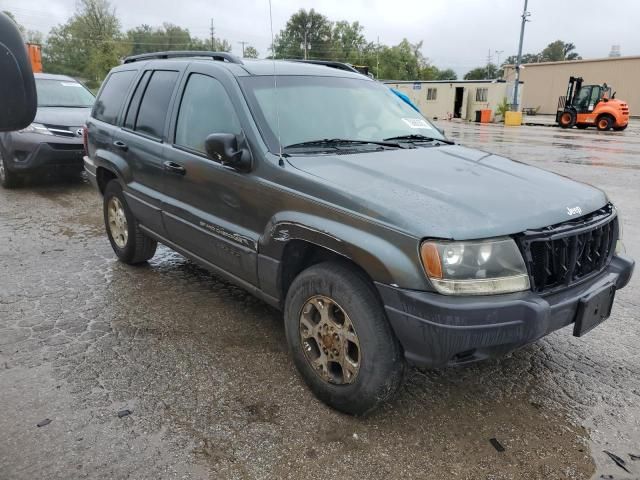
[18, 100]
[223, 148]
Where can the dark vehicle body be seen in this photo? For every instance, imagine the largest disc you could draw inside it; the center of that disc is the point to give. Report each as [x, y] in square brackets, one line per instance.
[262, 222]
[54, 141]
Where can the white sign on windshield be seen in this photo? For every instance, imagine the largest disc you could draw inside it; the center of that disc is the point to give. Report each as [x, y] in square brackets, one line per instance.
[417, 123]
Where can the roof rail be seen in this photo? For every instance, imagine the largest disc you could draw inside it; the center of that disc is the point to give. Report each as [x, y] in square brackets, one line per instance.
[327, 63]
[219, 56]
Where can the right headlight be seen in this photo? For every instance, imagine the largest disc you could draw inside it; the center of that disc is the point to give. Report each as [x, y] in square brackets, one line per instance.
[477, 267]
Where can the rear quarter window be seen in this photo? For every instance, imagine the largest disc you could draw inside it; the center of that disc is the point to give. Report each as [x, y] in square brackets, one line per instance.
[155, 103]
[112, 96]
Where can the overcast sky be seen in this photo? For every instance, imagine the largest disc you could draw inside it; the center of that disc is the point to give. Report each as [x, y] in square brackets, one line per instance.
[457, 34]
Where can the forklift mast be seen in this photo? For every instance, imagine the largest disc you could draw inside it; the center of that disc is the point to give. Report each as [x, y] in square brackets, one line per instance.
[575, 84]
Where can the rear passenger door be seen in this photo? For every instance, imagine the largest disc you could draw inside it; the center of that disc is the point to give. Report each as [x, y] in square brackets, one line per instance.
[140, 142]
[206, 201]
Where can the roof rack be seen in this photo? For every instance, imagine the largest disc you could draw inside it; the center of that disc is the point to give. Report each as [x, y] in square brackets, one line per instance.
[328, 63]
[219, 56]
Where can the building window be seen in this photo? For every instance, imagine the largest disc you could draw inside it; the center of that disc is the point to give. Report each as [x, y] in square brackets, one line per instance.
[432, 93]
[481, 94]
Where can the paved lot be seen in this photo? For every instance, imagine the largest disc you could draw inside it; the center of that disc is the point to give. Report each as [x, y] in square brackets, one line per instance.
[204, 369]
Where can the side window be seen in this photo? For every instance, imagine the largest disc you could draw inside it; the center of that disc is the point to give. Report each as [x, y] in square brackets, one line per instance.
[112, 96]
[432, 94]
[155, 103]
[130, 119]
[481, 94]
[205, 108]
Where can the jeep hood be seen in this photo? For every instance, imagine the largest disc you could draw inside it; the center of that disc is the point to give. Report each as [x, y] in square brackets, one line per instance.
[448, 191]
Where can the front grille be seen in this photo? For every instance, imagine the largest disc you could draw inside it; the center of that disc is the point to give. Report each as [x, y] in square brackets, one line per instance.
[562, 255]
[63, 131]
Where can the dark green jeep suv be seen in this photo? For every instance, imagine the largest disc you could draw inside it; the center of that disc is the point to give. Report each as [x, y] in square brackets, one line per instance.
[324, 194]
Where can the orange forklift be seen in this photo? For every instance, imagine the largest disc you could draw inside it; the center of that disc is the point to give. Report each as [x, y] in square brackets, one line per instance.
[35, 55]
[591, 105]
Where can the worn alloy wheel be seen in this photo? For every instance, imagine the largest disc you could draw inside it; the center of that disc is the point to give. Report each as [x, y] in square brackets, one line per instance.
[329, 340]
[117, 222]
[340, 338]
[128, 241]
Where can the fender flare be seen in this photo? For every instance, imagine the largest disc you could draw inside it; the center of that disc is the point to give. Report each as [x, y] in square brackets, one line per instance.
[384, 260]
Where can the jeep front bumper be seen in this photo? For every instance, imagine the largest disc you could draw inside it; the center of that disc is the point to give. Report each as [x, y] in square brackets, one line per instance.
[437, 330]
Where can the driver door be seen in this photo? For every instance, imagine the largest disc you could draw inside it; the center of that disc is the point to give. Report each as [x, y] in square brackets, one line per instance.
[207, 204]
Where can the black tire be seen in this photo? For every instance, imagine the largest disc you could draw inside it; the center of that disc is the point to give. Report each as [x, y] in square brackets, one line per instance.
[620, 129]
[380, 358]
[136, 247]
[567, 119]
[604, 123]
[8, 178]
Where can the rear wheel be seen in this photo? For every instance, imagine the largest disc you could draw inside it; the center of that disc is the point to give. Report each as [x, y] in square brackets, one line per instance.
[341, 340]
[620, 129]
[604, 123]
[8, 179]
[128, 241]
[567, 119]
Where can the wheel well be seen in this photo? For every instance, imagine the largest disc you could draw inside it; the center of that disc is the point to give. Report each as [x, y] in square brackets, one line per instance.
[104, 176]
[606, 114]
[299, 255]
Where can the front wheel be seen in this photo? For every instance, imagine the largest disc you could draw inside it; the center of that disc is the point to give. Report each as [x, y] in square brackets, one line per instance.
[128, 241]
[8, 179]
[341, 340]
[567, 119]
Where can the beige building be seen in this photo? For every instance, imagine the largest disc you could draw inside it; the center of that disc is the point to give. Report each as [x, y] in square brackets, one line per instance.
[548, 81]
[456, 98]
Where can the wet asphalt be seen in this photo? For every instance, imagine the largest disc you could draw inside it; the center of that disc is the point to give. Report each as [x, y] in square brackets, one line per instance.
[203, 371]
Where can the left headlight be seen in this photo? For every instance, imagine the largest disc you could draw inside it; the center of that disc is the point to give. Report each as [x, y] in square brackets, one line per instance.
[479, 267]
[36, 128]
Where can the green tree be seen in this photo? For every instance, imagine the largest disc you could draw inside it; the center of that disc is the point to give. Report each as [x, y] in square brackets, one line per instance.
[250, 52]
[348, 42]
[310, 27]
[554, 52]
[88, 45]
[558, 51]
[447, 74]
[488, 72]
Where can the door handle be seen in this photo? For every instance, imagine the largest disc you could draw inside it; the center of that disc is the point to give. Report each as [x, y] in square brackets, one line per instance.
[121, 145]
[174, 167]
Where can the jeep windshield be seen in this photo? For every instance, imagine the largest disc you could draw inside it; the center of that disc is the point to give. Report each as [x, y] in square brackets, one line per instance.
[316, 114]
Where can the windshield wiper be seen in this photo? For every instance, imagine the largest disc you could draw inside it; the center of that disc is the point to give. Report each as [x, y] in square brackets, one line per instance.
[335, 142]
[419, 138]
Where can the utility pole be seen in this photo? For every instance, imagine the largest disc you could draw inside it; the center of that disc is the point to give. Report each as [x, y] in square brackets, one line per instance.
[243, 44]
[489, 57]
[211, 34]
[305, 45]
[378, 59]
[498, 53]
[525, 15]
